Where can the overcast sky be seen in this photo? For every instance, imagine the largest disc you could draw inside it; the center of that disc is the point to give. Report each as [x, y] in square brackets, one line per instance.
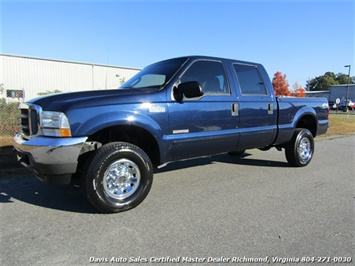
[302, 39]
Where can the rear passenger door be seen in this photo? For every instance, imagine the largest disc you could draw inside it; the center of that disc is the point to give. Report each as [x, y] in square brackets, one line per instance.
[257, 108]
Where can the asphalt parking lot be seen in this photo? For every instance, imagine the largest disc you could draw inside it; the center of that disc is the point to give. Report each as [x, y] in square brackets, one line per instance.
[210, 210]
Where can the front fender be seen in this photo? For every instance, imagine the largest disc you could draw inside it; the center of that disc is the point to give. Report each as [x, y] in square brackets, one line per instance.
[86, 123]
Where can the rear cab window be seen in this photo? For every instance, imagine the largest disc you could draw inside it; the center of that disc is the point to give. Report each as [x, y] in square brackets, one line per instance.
[250, 81]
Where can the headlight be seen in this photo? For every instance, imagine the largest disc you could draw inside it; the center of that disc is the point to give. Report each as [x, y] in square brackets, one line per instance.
[55, 124]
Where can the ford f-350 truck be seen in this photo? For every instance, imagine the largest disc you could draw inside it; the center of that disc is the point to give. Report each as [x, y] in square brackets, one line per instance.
[172, 110]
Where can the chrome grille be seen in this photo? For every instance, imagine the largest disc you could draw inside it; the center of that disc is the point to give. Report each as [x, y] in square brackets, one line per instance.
[25, 122]
[29, 120]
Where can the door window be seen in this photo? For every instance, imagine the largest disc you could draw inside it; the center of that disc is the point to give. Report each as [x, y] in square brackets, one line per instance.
[250, 81]
[210, 75]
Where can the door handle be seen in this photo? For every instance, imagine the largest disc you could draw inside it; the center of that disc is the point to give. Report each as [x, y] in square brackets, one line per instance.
[270, 108]
[235, 109]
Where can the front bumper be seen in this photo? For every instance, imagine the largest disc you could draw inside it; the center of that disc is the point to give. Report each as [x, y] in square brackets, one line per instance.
[52, 160]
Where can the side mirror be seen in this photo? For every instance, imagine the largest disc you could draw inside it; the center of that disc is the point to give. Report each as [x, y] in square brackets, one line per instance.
[191, 89]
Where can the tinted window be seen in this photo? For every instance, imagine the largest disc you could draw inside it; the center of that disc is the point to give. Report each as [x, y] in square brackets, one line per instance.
[210, 75]
[250, 80]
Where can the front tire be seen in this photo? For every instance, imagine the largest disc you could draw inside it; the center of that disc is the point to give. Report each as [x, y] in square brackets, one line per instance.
[299, 152]
[119, 177]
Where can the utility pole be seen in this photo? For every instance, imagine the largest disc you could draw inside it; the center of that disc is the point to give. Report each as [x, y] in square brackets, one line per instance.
[347, 90]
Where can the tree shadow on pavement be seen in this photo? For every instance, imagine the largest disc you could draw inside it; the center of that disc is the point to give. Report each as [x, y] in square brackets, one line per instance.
[19, 184]
[32, 191]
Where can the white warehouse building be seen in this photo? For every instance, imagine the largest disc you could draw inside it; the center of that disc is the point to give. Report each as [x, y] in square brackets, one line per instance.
[23, 78]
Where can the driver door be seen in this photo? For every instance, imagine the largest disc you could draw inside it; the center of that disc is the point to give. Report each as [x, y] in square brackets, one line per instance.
[209, 124]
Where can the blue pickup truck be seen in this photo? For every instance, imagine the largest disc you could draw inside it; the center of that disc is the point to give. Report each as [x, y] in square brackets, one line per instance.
[172, 110]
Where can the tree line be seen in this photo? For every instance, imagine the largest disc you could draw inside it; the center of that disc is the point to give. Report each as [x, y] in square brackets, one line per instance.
[320, 83]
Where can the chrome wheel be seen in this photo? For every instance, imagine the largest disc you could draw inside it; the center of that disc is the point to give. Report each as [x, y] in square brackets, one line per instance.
[118, 177]
[121, 179]
[304, 150]
[299, 151]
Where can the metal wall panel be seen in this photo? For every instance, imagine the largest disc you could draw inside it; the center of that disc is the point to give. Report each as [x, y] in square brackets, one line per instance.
[36, 75]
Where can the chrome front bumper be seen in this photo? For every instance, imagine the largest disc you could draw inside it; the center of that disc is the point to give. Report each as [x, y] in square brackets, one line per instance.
[52, 160]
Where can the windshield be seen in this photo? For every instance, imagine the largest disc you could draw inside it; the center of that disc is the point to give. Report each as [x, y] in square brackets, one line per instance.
[156, 75]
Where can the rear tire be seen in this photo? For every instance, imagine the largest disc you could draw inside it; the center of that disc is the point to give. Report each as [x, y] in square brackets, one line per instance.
[299, 151]
[119, 177]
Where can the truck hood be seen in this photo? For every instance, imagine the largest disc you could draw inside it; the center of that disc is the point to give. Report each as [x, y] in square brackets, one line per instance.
[86, 99]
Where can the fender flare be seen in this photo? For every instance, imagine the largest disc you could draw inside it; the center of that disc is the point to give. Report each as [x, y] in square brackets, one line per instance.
[303, 112]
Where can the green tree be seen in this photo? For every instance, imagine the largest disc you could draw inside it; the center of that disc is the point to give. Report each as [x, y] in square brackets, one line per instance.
[323, 83]
[9, 118]
[343, 79]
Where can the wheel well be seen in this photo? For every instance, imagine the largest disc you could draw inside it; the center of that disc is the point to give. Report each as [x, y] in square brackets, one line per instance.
[131, 134]
[308, 122]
